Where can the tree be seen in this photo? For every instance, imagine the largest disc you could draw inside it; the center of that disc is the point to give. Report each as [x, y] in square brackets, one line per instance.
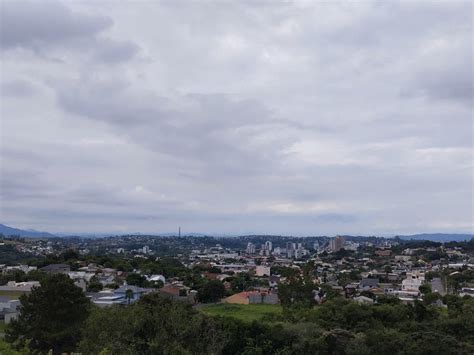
[128, 295]
[94, 285]
[425, 288]
[153, 325]
[136, 279]
[70, 254]
[297, 290]
[212, 291]
[51, 316]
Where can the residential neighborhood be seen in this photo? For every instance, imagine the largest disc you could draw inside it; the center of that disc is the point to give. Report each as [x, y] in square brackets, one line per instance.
[241, 270]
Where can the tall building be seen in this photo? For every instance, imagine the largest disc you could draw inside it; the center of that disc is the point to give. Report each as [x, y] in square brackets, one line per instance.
[250, 248]
[268, 245]
[290, 249]
[337, 243]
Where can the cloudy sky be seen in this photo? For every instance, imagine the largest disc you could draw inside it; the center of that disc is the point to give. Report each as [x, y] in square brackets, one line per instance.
[302, 118]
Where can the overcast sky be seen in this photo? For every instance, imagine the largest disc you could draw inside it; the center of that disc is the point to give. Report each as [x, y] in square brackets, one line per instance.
[304, 118]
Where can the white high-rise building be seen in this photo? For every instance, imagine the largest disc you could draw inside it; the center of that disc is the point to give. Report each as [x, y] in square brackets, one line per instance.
[268, 245]
[250, 248]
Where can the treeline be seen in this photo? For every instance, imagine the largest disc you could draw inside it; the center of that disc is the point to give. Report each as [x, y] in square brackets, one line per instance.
[58, 317]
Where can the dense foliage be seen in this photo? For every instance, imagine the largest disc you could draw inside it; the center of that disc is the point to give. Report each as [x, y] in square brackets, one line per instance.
[51, 316]
[56, 316]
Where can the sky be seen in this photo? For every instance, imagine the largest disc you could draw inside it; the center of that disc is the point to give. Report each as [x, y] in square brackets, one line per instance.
[237, 117]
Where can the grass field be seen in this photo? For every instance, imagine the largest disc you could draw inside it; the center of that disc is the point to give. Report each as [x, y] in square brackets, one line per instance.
[245, 312]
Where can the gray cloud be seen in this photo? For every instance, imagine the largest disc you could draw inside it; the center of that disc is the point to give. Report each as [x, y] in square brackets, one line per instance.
[33, 24]
[17, 88]
[304, 118]
[42, 26]
[220, 133]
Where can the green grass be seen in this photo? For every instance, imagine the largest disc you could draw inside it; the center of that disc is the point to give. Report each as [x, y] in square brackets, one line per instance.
[245, 312]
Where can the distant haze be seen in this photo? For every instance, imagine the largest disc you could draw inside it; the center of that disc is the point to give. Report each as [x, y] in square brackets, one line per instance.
[294, 118]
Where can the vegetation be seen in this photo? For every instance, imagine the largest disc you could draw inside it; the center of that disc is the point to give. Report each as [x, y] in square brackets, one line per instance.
[51, 316]
[244, 312]
[57, 316]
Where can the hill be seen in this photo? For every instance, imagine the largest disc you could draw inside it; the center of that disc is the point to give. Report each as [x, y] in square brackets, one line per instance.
[6, 230]
[438, 237]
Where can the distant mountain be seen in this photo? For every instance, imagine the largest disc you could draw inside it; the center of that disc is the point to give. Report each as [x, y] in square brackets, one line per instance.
[438, 237]
[31, 233]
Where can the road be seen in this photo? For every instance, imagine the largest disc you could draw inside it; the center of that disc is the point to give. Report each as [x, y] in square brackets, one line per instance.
[437, 286]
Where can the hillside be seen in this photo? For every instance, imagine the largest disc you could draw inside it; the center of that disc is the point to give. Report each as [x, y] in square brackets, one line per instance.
[438, 237]
[6, 230]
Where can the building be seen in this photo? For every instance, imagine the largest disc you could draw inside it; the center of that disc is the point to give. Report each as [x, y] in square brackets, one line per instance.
[467, 291]
[290, 250]
[266, 248]
[8, 309]
[413, 281]
[383, 252]
[250, 248]
[252, 297]
[56, 268]
[336, 244]
[273, 281]
[368, 284]
[262, 270]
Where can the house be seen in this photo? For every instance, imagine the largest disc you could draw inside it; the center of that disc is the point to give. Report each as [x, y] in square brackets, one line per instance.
[211, 276]
[467, 291]
[106, 280]
[134, 295]
[273, 281]
[25, 268]
[8, 309]
[156, 278]
[106, 298]
[368, 284]
[252, 297]
[383, 252]
[56, 268]
[413, 281]
[239, 298]
[351, 289]
[170, 291]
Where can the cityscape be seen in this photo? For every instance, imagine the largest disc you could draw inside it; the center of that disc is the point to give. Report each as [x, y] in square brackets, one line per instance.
[238, 177]
[248, 278]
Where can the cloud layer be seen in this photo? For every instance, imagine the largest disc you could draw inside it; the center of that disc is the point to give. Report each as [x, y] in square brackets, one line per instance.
[288, 118]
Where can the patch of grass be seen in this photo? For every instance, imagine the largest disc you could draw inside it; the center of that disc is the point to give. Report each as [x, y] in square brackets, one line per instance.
[6, 349]
[244, 312]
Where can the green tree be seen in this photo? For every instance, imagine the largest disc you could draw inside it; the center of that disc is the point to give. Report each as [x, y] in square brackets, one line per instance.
[297, 291]
[153, 325]
[425, 288]
[94, 285]
[128, 295]
[136, 279]
[50, 317]
[212, 291]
